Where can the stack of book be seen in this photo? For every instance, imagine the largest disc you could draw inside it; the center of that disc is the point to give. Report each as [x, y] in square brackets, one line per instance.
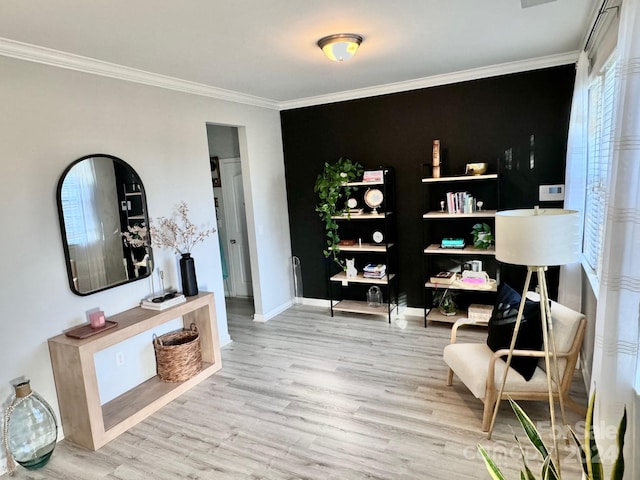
[149, 304]
[443, 278]
[374, 271]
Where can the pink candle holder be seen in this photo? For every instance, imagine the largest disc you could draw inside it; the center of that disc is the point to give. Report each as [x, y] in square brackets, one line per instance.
[96, 319]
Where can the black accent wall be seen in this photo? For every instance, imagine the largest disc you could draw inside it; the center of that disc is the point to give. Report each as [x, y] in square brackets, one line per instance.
[518, 123]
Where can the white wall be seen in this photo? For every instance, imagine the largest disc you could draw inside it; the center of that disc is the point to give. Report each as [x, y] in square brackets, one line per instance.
[50, 117]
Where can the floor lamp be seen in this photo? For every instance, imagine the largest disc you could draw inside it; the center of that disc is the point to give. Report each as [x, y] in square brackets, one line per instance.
[537, 238]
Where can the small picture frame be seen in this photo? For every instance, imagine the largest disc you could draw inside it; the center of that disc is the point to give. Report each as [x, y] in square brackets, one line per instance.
[215, 171]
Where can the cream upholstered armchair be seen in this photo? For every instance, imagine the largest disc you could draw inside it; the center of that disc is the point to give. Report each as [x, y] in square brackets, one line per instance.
[482, 370]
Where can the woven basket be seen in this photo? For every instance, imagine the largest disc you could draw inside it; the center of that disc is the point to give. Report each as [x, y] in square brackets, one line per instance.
[178, 355]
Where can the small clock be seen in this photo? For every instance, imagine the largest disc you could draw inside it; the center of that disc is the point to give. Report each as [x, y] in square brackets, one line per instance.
[377, 236]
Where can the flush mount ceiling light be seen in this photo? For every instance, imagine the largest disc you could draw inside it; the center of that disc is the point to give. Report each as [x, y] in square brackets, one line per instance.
[341, 46]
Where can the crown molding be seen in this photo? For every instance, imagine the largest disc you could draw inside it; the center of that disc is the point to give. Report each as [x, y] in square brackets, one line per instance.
[56, 58]
[436, 80]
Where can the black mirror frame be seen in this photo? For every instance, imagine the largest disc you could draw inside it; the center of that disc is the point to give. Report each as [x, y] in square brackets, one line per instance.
[63, 231]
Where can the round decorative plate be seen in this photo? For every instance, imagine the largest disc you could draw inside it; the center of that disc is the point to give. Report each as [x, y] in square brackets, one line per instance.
[373, 198]
[352, 203]
[377, 236]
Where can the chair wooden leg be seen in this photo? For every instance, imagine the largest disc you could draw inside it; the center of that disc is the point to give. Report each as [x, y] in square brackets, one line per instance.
[487, 415]
[450, 378]
[490, 399]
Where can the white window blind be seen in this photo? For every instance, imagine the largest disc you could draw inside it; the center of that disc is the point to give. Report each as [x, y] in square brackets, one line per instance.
[599, 154]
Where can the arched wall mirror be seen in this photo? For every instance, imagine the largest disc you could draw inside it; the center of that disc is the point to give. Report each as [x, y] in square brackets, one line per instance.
[99, 197]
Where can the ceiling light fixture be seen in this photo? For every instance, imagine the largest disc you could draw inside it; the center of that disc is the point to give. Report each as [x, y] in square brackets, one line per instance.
[341, 46]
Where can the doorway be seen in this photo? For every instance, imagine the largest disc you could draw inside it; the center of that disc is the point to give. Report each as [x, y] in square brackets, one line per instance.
[228, 191]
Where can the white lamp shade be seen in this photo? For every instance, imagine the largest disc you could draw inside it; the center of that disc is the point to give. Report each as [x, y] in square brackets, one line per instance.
[538, 237]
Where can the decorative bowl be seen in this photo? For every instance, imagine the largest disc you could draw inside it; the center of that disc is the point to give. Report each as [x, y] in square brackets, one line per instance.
[476, 168]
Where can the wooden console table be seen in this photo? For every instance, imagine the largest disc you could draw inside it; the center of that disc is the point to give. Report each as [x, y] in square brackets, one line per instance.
[91, 425]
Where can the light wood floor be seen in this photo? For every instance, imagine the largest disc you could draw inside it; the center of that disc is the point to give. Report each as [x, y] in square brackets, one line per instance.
[307, 396]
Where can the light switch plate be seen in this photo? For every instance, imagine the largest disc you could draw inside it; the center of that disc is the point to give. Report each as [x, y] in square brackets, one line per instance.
[551, 193]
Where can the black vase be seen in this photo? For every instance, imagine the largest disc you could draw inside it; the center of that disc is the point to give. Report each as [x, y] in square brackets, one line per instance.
[188, 273]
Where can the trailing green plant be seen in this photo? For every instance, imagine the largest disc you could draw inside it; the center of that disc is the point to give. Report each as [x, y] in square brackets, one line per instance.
[482, 236]
[333, 191]
[589, 454]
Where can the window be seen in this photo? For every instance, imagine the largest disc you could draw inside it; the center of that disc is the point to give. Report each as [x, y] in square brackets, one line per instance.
[599, 150]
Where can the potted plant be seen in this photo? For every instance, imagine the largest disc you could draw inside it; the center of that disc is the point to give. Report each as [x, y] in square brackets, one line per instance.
[332, 189]
[482, 236]
[589, 454]
[446, 305]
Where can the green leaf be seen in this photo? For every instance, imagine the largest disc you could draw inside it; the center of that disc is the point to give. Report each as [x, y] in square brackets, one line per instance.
[594, 464]
[617, 471]
[530, 429]
[492, 468]
[534, 437]
[549, 471]
[529, 473]
[583, 457]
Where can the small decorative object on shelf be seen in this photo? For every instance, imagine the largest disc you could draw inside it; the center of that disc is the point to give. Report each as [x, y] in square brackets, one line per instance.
[475, 168]
[352, 272]
[482, 237]
[188, 270]
[96, 319]
[457, 243]
[377, 236]
[480, 312]
[373, 198]
[168, 300]
[373, 176]
[436, 159]
[181, 235]
[30, 429]
[374, 297]
[446, 305]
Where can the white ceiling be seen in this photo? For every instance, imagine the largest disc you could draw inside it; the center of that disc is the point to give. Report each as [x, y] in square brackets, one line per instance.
[267, 48]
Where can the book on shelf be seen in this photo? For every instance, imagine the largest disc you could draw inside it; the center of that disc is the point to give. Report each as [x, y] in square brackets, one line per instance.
[374, 268]
[443, 278]
[149, 304]
[374, 275]
[461, 202]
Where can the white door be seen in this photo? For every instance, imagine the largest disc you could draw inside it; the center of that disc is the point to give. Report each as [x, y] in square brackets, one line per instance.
[236, 222]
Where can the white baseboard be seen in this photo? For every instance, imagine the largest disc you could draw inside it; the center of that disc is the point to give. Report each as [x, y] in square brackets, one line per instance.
[265, 317]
